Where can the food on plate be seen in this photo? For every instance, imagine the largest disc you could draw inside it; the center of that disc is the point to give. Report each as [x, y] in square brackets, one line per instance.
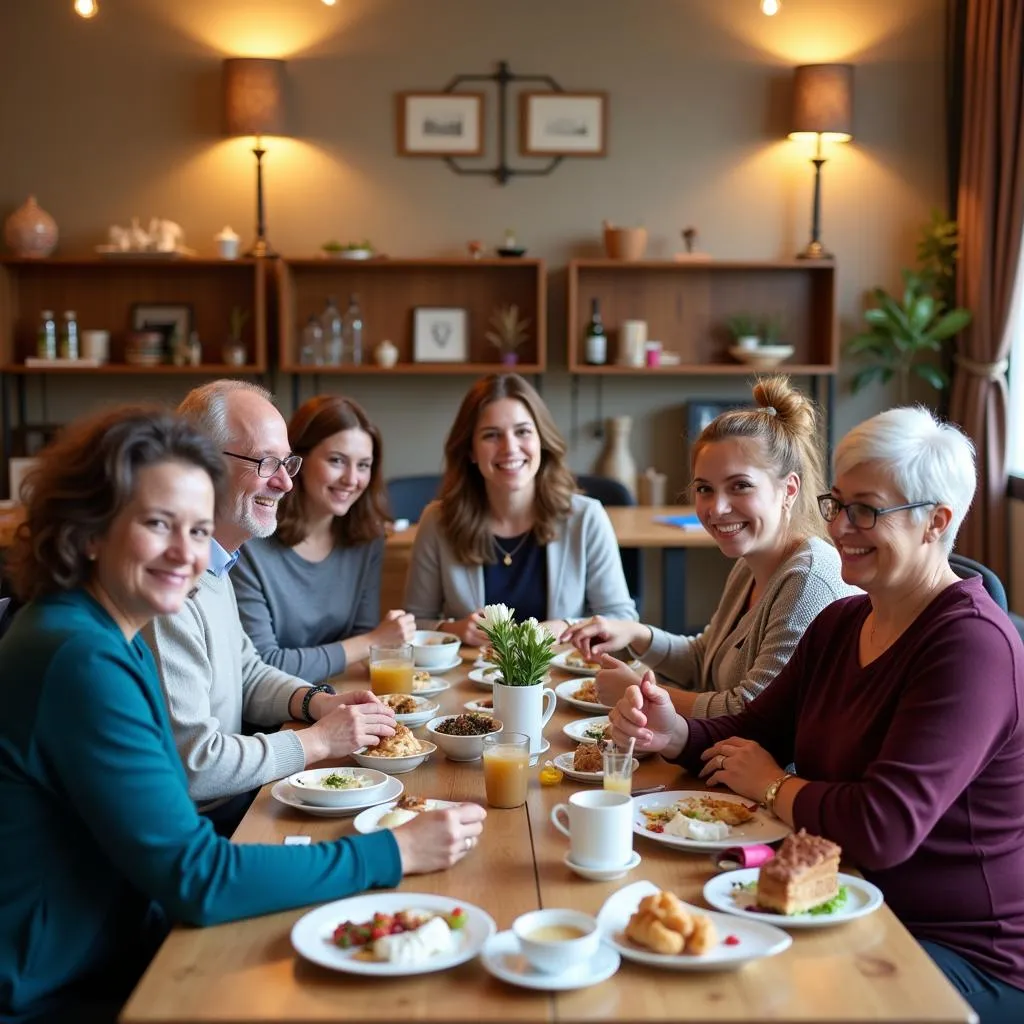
[588, 692]
[492, 673]
[587, 757]
[693, 828]
[408, 937]
[400, 703]
[803, 874]
[339, 780]
[433, 641]
[577, 660]
[487, 653]
[471, 724]
[406, 808]
[664, 925]
[698, 808]
[421, 680]
[402, 744]
[598, 732]
[488, 703]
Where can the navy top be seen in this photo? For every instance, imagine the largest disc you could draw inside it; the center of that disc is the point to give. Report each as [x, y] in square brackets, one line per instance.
[523, 585]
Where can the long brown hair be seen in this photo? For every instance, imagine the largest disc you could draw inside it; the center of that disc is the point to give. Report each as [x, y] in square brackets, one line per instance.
[785, 425]
[315, 421]
[464, 507]
[83, 481]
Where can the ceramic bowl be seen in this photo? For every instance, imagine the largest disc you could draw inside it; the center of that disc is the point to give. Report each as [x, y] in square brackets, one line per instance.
[433, 649]
[460, 748]
[393, 765]
[556, 955]
[307, 786]
[764, 357]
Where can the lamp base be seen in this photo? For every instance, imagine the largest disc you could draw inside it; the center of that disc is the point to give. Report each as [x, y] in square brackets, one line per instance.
[261, 249]
[814, 251]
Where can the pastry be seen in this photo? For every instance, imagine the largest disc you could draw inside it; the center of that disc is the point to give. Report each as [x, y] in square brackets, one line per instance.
[588, 692]
[802, 874]
[402, 744]
[577, 660]
[400, 703]
[664, 925]
[587, 757]
[420, 680]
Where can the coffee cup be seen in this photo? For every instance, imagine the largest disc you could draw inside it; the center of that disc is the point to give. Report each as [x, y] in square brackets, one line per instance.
[96, 345]
[599, 826]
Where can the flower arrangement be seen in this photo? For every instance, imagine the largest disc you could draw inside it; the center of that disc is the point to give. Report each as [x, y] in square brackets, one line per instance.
[522, 650]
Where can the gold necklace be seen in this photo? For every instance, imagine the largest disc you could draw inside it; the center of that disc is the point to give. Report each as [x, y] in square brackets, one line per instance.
[508, 554]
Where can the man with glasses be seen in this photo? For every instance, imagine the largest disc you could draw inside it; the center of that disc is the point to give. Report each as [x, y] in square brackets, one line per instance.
[211, 674]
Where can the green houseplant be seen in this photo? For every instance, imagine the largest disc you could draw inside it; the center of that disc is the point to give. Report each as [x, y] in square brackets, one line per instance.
[522, 650]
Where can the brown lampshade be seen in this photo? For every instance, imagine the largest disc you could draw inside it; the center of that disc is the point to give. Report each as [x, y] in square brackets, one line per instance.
[253, 91]
[823, 101]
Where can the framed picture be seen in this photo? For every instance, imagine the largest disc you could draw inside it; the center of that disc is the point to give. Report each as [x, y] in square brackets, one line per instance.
[441, 123]
[699, 414]
[563, 123]
[168, 320]
[440, 335]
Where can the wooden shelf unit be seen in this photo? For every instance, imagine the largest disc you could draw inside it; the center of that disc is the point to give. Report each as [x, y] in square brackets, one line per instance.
[102, 291]
[687, 305]
[390, 290]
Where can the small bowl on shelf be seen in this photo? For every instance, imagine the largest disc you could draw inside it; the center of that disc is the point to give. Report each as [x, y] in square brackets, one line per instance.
[510, 252]
[764, 357]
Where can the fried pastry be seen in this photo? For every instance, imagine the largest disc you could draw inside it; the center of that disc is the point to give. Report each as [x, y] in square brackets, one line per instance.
[663, 925]
[588, 692]
[420, 680]
[587, 758]
[577, 660]
[400, 703]
[402, 744]
[408, 802]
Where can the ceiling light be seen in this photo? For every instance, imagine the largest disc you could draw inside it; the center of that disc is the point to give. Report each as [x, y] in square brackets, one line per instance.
[768, 7]
[330, 3]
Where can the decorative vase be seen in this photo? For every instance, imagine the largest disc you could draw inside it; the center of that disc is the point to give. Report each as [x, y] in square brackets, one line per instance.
[509, 358]
[386, 354]
[525, 709]
[616, 461]
[234, 353]
[30, 231]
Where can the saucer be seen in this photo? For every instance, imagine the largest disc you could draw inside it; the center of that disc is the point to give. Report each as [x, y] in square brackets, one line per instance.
[439, 668]
[501, 957]
[545, 746]
[282, 792]
[602, 874]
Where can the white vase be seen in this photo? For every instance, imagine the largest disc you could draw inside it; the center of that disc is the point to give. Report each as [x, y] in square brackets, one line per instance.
[616, 461]
[525, 709]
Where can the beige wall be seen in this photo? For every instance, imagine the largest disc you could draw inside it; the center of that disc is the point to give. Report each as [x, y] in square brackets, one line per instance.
[118, 117]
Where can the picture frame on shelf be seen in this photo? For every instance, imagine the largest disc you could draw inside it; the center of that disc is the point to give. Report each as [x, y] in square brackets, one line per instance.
[440, 123]
[169, 319]
[563, 124]
[440, 335]
[701, 412]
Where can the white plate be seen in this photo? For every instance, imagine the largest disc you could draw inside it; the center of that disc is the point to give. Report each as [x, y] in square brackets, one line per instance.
[568, 688]
[558, 661]
[393, 765]
[757, 939]
[483, 663]
[311, 934]
[366, 822]
[762, 828]
[577, 730]
[861, 898]
[596, 874]
[437, 668]
[284, 794]
[501, 957]
[477, 676]
[436, 686]
[474, 705]
[564, 763]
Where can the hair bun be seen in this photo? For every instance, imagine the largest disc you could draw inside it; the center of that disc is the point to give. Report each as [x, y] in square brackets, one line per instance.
[777, 397]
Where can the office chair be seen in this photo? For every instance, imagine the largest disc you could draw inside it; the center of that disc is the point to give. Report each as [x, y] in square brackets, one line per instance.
[965, 568]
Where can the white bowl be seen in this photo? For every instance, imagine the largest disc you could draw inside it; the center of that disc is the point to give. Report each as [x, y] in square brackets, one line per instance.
[764, 357]
[426, 708]
[460, 748]
[556, 955]
[307, 786]
[393, 765]
[433, 649]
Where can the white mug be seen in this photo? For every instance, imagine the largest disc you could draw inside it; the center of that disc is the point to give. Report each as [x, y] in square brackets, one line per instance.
[600, 827]
[96, 345]
[525, 709]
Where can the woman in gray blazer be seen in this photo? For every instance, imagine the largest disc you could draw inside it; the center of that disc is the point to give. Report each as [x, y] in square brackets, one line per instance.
[756, 475]
[509, 526]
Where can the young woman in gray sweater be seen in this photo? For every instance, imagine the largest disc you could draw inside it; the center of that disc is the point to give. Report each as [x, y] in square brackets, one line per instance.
[756, 473]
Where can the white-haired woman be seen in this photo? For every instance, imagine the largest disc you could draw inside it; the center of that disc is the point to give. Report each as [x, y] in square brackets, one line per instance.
[903, 710]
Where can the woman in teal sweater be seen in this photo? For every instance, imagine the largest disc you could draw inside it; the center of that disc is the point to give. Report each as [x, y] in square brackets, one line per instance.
[100, 844]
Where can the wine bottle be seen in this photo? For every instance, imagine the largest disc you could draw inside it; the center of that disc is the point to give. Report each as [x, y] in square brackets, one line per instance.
[596, 343]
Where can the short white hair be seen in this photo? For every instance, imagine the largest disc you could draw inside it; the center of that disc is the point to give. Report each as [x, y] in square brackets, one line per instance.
[926, 459]
[207, 406]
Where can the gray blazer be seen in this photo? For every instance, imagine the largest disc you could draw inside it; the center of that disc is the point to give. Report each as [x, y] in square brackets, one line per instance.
[585, 574]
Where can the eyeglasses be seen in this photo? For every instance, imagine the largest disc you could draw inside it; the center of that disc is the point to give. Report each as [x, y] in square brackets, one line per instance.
[860, 515]
[269, 465]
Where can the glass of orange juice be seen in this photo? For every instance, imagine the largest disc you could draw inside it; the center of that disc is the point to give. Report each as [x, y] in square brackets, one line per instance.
[391, 668]
[506, 768]
[617, 771]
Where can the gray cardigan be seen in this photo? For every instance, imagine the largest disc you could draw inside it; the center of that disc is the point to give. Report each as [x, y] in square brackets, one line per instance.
[297, 612]
[741, 652]
[585, 574]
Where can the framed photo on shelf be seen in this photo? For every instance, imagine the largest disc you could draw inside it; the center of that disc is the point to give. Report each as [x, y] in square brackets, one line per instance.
[440, 123]
[440, 335]
[563, 123]
[701, 412]
[169, 320]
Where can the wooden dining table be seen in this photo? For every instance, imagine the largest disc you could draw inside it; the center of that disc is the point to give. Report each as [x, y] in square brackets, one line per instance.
[866, 969]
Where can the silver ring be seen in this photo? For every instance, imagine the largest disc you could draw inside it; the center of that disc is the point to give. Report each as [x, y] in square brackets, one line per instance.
[470, 843]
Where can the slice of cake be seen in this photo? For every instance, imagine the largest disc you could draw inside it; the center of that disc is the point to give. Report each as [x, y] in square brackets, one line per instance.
[803, 873]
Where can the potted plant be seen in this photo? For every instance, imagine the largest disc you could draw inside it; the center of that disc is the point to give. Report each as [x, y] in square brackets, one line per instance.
[234, 351]
[744, 330]
[507, 332]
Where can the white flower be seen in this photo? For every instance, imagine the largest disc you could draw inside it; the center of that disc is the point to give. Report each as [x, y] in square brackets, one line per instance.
[537, 631]
[495, 615]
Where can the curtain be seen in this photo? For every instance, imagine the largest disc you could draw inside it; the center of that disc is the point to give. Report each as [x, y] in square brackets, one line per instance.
[987, 56]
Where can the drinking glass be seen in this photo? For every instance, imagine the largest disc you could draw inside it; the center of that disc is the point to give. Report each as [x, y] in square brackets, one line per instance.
[618, 771]
[391, 668]
[506, 760]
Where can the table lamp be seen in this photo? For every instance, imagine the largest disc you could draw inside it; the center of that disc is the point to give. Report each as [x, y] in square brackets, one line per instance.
[253, 93]
[822, 109]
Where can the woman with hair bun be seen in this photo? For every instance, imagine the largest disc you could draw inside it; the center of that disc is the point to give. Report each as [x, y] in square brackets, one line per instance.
[756, 473]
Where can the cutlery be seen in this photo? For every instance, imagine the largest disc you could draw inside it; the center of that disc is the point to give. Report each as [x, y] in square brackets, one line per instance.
[649, 789]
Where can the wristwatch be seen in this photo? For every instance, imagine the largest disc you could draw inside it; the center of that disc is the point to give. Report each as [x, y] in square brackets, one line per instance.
[310, 694]
[772, 792]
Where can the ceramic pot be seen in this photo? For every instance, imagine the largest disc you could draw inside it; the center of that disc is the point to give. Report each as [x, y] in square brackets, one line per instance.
[525, 709]
[624, 243]
[509, 358]
[386, 354]
[616, 460]
[30, 231]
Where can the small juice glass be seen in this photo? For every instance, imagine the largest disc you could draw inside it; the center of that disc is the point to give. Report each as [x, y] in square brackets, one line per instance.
[618, 771]
[506, 760]
[391, 669]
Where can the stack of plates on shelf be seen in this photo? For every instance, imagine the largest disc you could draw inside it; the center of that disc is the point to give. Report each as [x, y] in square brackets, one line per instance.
[144, 348]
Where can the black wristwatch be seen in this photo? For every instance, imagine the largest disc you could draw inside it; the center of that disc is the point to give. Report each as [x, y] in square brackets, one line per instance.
[310, 694]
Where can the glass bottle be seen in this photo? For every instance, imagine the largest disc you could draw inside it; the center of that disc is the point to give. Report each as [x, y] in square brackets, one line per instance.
[353, 329]
[67, 345]
[596, 343]
[46, 340]
[312, 353]
[331, 324]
